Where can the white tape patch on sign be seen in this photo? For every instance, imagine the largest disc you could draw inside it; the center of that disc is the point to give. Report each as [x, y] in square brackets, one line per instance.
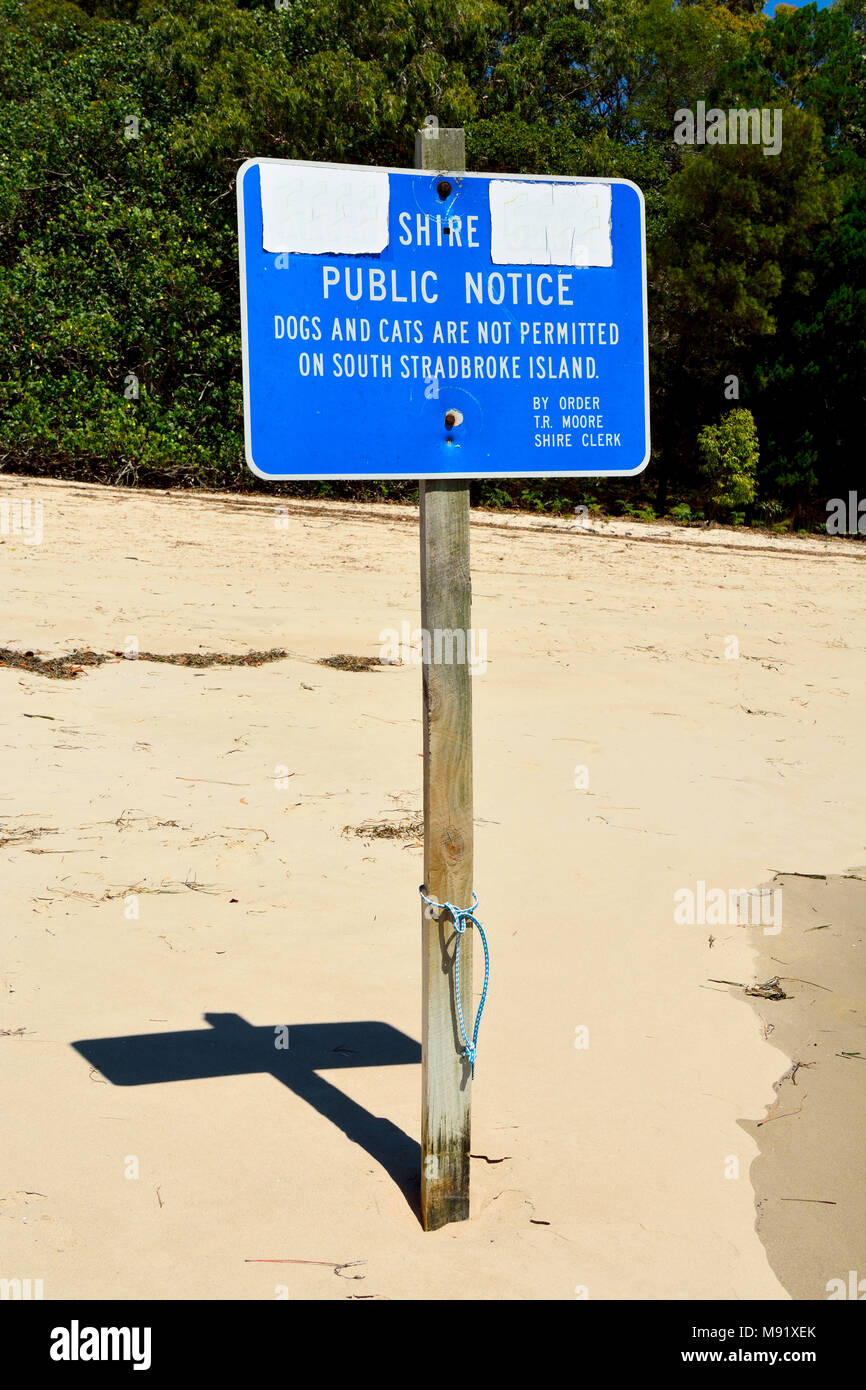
[324, 211]
[550, 224]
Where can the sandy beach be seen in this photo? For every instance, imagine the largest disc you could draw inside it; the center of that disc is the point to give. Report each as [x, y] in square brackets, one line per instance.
[809, 1176]
[660, 708]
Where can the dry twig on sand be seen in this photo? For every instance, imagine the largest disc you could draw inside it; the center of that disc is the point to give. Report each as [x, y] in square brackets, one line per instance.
[408, 829]
[770, 989]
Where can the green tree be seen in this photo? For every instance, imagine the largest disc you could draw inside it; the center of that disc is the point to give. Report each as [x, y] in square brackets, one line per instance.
[729, 460]
[810, 381]
[118, 240]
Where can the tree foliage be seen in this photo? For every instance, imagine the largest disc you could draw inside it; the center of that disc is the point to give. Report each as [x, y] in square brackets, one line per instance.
[729, 459]
[123, 123]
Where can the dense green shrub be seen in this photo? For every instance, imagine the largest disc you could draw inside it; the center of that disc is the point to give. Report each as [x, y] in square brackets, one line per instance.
[729, 459]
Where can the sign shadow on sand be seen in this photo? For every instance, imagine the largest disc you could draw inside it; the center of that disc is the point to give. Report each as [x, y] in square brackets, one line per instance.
[232, 1047]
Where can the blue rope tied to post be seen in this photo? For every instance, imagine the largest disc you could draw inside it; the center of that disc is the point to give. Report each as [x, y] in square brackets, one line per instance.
[461, 916]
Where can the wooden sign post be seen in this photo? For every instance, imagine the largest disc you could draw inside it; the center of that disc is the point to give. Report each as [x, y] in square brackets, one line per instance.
[360, 240]
[445, 608]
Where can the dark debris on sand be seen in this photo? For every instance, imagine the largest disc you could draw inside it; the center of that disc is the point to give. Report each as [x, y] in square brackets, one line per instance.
[61, 668]
[215, 658]
[351, 663]
[411, 828]
[69, 666]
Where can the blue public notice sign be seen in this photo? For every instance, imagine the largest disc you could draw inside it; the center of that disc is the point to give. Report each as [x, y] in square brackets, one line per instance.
[406, 324]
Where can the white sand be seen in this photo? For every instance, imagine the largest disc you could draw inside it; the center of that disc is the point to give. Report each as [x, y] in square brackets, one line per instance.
[603, 650]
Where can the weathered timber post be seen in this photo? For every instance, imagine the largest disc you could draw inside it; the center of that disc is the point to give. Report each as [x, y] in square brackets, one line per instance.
[445, 609]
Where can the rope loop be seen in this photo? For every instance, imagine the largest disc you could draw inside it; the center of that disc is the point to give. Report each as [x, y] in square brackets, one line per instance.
[461, 918]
